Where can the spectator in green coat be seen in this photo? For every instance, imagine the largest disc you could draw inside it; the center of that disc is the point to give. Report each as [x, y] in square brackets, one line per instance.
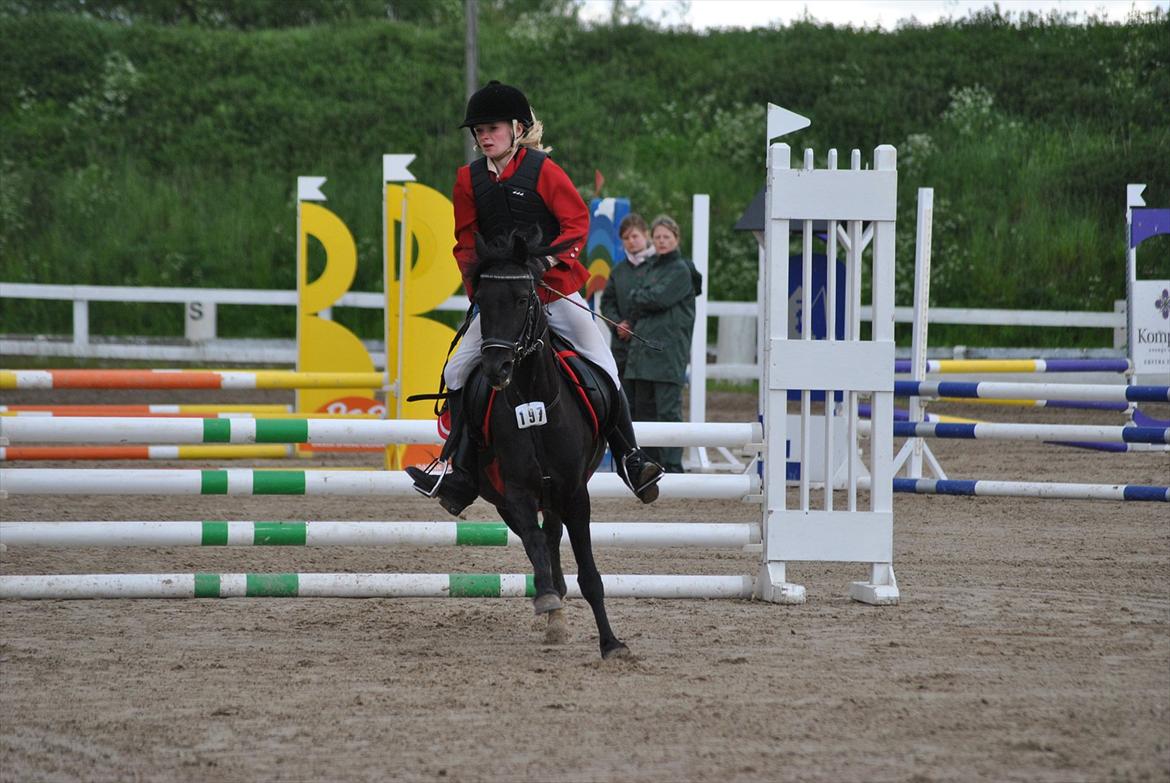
[623, 279]
[663, 306]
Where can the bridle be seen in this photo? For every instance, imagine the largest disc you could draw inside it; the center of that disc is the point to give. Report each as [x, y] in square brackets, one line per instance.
[528, 339]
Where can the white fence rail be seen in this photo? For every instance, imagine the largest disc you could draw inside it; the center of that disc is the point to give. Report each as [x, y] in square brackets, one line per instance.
[201, 342]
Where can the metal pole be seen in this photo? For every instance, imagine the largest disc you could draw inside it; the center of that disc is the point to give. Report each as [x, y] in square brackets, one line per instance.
[471, 64]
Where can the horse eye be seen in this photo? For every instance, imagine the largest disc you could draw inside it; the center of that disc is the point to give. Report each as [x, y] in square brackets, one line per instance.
[522, 301]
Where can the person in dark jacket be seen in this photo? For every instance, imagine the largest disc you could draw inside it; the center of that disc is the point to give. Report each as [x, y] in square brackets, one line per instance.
[663, 306]
[516, 186]
[624, 278]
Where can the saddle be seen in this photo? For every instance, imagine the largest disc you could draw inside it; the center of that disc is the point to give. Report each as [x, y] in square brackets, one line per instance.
[592, 387]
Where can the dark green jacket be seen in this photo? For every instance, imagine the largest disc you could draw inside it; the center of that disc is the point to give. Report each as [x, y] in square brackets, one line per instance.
[616, 304]
[664, 304]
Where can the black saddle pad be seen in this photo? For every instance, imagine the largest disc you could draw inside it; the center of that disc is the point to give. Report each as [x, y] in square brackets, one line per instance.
[592, 390]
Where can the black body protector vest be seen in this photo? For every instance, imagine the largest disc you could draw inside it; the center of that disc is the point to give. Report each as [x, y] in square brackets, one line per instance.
[514, 203]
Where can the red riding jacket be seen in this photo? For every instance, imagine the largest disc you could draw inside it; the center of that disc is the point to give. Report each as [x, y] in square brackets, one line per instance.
[562, 200]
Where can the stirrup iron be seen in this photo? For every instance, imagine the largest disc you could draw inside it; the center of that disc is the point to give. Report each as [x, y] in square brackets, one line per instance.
[438, 482]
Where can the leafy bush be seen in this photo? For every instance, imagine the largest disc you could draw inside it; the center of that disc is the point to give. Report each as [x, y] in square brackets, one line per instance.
[166, 154]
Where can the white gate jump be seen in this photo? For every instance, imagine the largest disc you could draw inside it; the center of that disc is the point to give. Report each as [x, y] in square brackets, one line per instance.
[860, 206]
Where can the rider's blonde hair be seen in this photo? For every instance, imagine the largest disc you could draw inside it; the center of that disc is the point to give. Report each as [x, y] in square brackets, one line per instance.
[531, 137]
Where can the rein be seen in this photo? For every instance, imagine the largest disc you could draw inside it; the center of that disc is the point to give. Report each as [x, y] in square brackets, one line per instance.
[653, 346]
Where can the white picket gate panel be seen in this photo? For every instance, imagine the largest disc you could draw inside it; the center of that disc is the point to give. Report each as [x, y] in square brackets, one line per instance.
[860, 207]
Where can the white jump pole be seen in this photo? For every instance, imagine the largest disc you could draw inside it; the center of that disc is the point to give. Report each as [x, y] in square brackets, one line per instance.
[70, 586]
[1088, 433]
[73, 535]
[351, 483]
[121, 430]
[988, 390]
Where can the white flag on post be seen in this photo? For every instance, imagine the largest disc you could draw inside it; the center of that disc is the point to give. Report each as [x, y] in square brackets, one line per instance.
[309, 189]
[782, 122]
[394, 168]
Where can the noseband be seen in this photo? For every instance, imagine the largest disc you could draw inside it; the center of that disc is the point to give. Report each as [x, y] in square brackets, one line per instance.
[528, 340]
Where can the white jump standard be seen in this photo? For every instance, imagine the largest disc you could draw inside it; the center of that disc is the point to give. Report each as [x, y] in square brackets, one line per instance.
[847, 199]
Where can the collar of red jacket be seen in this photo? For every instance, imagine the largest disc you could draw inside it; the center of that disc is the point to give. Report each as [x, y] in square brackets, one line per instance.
[510, 169]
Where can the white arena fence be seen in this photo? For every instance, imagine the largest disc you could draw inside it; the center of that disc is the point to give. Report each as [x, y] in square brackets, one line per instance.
[203, 344]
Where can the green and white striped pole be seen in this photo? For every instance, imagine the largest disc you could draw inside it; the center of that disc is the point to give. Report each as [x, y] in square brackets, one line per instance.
[357, 432]
[248, 482]
[74, 535]
[292, 585]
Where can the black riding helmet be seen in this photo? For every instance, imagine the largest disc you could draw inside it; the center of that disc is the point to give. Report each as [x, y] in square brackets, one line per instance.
[495, 102]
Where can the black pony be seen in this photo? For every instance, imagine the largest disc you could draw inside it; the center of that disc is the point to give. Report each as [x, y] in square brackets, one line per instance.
[546, 445]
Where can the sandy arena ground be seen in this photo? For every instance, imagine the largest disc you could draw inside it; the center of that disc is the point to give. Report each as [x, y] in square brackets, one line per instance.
[1032, 643]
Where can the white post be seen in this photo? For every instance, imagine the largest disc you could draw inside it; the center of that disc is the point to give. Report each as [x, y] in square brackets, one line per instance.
[1133, 198]
[80, 324]
[395, 169]
[915, 449]
[308, 189]
[882, 587]
[700, 233]
[403, 272]
[773, 584]
[807, 303]
[853, 333]
[829, 407]
[761, 323]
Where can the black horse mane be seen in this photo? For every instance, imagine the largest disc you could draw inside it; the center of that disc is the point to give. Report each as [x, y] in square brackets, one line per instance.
[517, 247]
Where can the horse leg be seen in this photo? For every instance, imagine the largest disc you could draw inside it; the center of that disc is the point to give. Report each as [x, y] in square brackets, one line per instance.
[520, 516]
[557, 631]
[589, 578]
[553, 529]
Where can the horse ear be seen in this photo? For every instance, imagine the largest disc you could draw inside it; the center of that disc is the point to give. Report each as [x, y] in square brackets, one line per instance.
[481, 246]
[519, 248]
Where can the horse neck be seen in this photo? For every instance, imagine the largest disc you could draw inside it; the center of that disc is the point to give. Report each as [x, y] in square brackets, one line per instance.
[535, 378]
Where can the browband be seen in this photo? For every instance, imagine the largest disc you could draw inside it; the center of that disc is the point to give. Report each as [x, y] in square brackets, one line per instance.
[504, 277]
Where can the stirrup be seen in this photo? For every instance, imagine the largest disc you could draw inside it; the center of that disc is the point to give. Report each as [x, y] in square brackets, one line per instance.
[427, 473]
[646, 485]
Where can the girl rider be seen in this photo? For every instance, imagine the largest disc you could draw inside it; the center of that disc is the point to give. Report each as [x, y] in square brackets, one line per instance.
[517, 186]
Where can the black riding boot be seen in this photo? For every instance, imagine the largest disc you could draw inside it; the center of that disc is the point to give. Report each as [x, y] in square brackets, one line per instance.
[457, 488]
[640, 473]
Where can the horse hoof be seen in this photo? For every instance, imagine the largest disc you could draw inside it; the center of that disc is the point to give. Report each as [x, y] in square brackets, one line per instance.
[618, 650]
[557, 631]
[546, 603]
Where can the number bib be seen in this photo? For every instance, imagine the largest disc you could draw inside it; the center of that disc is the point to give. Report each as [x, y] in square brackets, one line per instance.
[531, 414]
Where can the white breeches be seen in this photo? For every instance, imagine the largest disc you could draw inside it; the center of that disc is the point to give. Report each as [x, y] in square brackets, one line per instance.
[572, 323]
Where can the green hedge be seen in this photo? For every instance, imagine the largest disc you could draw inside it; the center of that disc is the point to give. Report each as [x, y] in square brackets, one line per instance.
[151, 155]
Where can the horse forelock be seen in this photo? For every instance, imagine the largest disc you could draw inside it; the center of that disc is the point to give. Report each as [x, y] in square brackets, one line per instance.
[497, 259]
